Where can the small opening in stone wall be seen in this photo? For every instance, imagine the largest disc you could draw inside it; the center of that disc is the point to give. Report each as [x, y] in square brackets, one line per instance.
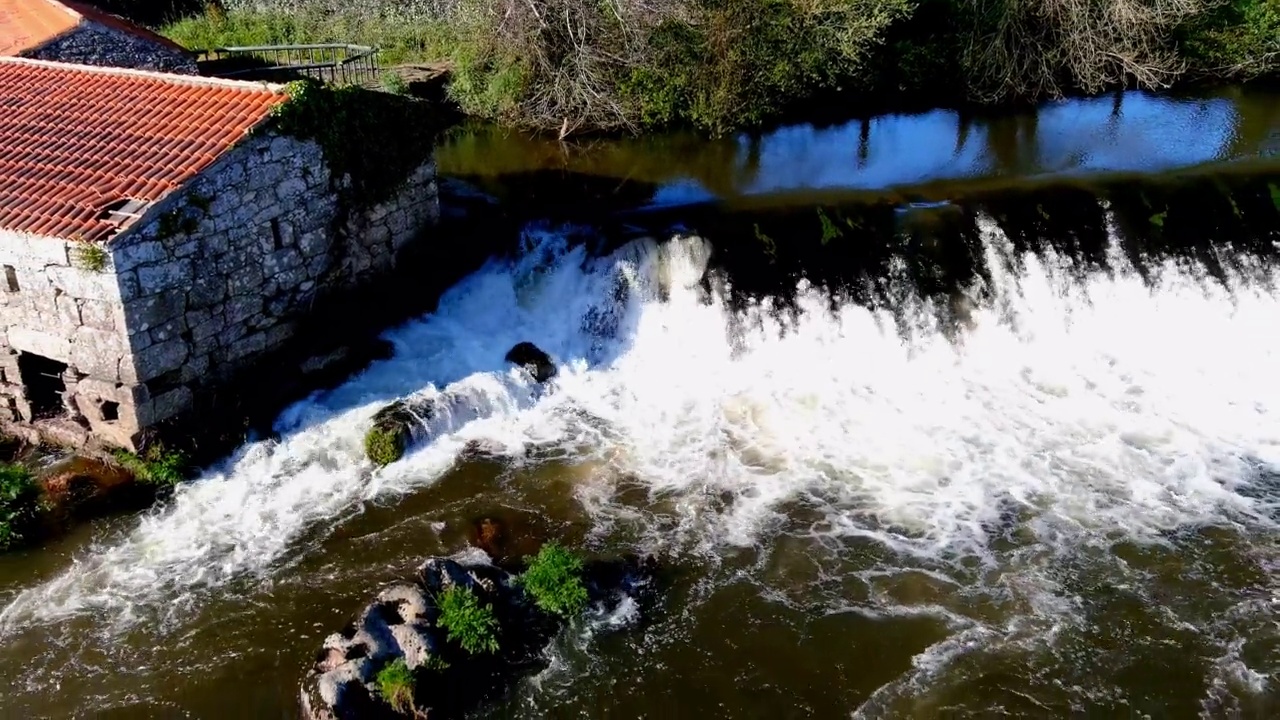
[44, 385]
[277, 241]
[10, 278]
[109, 410]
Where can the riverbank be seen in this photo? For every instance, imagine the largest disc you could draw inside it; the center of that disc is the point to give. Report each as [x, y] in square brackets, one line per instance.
[716, 66]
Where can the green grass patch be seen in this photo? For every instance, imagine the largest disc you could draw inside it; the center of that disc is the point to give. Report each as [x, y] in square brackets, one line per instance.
[155, 466]
[469, 622]
[554, 581]
[19, 503]
[396, 683]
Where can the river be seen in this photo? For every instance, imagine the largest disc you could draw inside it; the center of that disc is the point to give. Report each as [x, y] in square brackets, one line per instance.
[1062, 501]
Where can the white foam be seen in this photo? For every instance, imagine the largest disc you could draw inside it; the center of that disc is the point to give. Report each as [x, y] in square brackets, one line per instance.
[1093, 409]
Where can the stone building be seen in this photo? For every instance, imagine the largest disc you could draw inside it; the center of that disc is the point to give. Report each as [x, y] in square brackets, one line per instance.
[160, 238]
[68, 31]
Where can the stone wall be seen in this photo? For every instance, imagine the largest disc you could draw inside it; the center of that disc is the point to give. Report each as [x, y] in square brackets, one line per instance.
[221, 276]
[53, 307]
[93, 43]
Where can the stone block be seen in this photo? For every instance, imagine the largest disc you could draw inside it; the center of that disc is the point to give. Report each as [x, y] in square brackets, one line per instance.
[83, 284]
[68, 312]
[248, 345]
[50, 345]
[246, 280]
[172, 403]
[242, 308]
[165, 276]
[206, 291]
[148, 312]
[143, 252]
[160, 358]
[168, 330]
[98, 352]
[99, 314]
[290, 189]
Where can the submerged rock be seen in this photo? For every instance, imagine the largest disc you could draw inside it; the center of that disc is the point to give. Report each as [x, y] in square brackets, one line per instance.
[403, 624]
[532, 358]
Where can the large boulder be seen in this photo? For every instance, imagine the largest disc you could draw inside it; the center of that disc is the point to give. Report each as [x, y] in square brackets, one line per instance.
[532, 358]
[402, 625]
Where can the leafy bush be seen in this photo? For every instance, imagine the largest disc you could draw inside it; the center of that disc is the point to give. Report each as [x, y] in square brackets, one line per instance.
[725, 64]
[19, 502]
[156, 465]
[468, 622]
[554, 581]
[90, 256]
[395, 683]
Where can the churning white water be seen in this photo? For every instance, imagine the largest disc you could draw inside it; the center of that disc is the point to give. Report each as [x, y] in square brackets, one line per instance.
[1078, 412]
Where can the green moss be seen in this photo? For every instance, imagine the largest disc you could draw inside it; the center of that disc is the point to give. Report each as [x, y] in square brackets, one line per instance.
[554, 581]
[375, 139]
[156, 465]
[468, 622]
[19, 504]
[90, 256]
[396, 684]
[383, 445]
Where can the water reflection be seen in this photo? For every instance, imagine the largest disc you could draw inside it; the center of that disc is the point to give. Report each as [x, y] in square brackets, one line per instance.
[1123, 132]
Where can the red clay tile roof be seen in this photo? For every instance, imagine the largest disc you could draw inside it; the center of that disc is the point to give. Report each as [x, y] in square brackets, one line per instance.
[28, 24]
[75, 140]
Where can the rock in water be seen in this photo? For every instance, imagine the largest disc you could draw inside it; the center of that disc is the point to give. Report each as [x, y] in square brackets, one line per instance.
[389, 437]
[403, 623]
[533, 359]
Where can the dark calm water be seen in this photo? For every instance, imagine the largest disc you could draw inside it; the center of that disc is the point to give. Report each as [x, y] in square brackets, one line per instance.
[1061, 502]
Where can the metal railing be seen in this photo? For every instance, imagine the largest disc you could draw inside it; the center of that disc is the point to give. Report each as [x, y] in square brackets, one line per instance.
[336, 63]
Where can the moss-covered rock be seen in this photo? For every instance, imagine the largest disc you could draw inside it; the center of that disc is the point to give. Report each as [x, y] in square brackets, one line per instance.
[388, 439]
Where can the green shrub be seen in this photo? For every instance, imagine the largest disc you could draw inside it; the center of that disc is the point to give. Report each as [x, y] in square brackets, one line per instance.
[468, 622]
[394, 82]
[554, 580]
[19, 503]
[396, 684]
[90, 256]
[155, 466]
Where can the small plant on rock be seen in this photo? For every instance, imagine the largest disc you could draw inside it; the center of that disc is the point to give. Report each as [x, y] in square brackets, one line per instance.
[468, 622]
[554, 580]
[19, 502]
[90, 256]
[395, 684]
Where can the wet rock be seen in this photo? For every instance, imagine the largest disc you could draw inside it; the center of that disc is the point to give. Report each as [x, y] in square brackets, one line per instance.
[533, 359]
[401, 623]
[490, 536]
[79, 488]
[507, 535]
